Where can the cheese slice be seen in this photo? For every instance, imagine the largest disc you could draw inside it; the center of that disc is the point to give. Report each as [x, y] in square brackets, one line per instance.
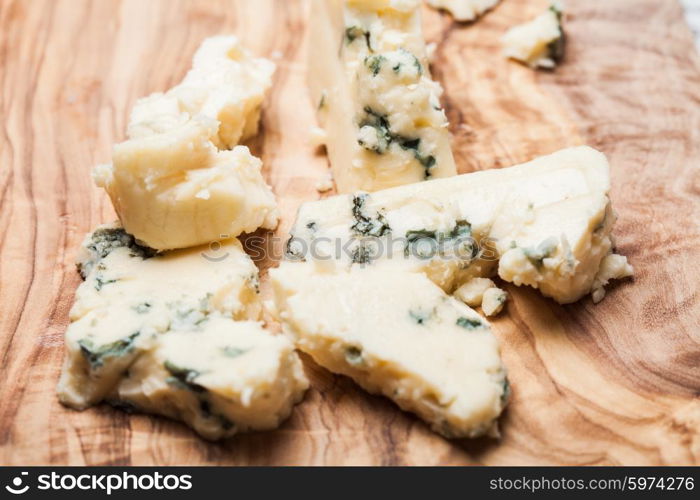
[172, 183]
[464, 10]
[397, 334]
[545, 223]
[376, 100]
[132, 297]
[538, 43]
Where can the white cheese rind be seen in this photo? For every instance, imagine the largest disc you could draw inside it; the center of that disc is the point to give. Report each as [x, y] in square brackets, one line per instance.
[545, 223]
[170, 183]
[376, 101]
[538, 43]
[131, 299]
[464, 10]
[397, 334]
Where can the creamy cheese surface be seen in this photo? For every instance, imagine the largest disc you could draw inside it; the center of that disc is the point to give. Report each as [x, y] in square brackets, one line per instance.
[545, 224]
[226, 83]
[538, 43]
[377, 103]
[397, 334]
[464, 10]
[132, 298]
[174, 183]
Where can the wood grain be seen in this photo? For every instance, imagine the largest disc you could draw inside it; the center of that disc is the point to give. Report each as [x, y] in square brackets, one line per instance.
[616, 383]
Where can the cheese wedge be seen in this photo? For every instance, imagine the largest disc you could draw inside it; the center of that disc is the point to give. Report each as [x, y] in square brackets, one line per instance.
[546, 223]
[376, 101]
[171, 183]
[538, 43]
[397, 334]
[132, 297]
[464, 10]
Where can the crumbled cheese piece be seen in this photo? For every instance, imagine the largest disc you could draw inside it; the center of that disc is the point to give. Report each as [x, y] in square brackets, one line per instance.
[472, 292]
[140, 313]
[376, 100]
[538, 43]
[493, 301]
[612, 267]
[172, 183]
[464, 10]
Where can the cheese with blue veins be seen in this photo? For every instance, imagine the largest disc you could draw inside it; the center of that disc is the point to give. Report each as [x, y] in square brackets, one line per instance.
[376, 101]
[399, 335]
[133, 298]
[546, 224]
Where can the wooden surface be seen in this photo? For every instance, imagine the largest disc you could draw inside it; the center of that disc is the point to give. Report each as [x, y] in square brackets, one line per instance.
[616, 383]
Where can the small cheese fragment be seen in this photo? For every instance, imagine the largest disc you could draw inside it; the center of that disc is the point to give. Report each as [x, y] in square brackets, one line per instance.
[376, 100]
[464, 10]
[169, 183]
[538, 43]
[226, 83]
[221, 378]
[493, 301]
[174, 190]
[131, 297]
[397, 334]
[612, 267]
[325, 183]
[545, 224]
[472, 292]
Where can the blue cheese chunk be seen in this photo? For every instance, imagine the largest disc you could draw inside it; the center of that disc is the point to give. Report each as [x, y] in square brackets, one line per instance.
[397, 334]
[132, 297]
[546, 224]
[377, 103]
[538, 43]
[174, 190]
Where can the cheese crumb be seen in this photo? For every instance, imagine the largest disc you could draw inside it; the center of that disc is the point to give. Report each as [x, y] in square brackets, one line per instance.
[538, 43]
[612, 267]
[471, 293]
[493, 301]
[325, 184]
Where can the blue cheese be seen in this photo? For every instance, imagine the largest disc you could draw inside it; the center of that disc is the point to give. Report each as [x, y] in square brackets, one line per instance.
[132, 297]
[377, 103]
[538, 43]
[546, 224]
[397, 334]
[226, 83]
[174, 183]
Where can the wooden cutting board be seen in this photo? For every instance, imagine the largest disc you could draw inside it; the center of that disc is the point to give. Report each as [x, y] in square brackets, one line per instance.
[615, 383]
